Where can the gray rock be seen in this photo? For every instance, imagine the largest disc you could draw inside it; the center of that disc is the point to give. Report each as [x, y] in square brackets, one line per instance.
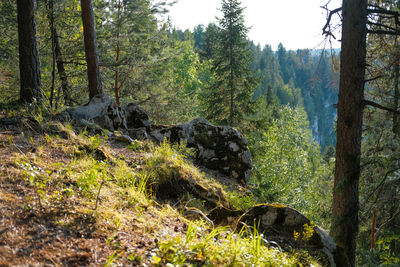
[123, 137]
[232, 155]
[139, 133]
[277, 223]
[136, 117]
[220, 148]
[97, 107]
[102, 111]
[105, 112]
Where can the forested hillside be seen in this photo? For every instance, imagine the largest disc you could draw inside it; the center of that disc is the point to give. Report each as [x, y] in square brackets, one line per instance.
[164, 66]
[303, 78]
[152, 145]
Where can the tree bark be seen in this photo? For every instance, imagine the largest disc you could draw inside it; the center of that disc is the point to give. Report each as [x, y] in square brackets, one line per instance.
[57, 57]
[345, 204]
[52, 28]
[232, 76]
[396, 95]
[117, 54]
[29, 65]
[92, 58]
[61, 70]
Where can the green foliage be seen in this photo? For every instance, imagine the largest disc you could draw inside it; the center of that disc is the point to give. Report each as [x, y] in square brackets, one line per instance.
[301, 78]
[37, 178]
[289, 168]
[379, 187]
[9, 81]
[307, 233]
[220, 247]
[228, 97]
[386, 254]
[241, 201]
[166, 160]
[88, 174]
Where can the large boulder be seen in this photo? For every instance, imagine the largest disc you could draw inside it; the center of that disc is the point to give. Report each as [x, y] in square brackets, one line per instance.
[279, 223]
[219, 148]
[101, 110]
[136, 117]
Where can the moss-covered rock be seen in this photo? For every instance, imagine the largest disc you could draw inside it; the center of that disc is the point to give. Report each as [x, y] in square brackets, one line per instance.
[292, 230]
[219, 148]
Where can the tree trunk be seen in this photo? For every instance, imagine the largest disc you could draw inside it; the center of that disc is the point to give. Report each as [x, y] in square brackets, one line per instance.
[50, 14]
[231, 77]
[92, 57]
[29, 65]
[61, 71]
[57, 55]
[396, 94]
[345, 204]
[117, 54]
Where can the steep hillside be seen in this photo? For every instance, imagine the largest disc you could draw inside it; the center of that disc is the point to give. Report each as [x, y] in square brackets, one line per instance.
[74, 199]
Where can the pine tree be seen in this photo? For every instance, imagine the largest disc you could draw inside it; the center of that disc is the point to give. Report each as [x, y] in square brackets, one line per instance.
[230, 95]
[345, 205]
[28, 52]
[92, 58]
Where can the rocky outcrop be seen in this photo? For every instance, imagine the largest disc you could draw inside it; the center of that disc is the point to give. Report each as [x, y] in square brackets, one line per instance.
[278, 224]
[136, 117]
[219, 148]
[105, 112]
[102, 111]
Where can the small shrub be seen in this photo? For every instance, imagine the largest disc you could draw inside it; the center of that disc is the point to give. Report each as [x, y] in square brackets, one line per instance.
[241, 201]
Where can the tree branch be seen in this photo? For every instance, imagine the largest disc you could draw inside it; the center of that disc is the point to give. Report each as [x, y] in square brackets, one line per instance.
[376, 105]
[375, 78]
[378, 10]
[386, 223]
[328, 21]
[379, 188]
[147, 99]
[74, 62]
[384, 26]
[384, 32]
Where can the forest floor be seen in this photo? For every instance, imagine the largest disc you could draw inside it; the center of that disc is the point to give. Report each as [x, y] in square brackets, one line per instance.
[73, 199]
[50, 229]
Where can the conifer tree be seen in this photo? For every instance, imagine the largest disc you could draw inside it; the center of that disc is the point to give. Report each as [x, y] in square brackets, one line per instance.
[28, 52]
[230, 95]
[92, 58]
[345, 205]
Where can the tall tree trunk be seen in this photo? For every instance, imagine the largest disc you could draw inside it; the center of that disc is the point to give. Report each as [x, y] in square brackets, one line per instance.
[61, 70]
[232, 76]
[58, 55]
[92, 58]
[50, 10]
[345, 204]
[117, 54]
[396, 92]
[29, 65]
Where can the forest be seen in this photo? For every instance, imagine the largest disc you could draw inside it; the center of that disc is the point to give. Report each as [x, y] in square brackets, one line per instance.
[104, 161]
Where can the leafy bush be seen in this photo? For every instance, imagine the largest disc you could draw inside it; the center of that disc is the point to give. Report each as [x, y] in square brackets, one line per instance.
[289, 168]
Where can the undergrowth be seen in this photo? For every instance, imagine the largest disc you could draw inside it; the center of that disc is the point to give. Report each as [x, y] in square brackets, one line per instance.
[114, 195]
[220, 247]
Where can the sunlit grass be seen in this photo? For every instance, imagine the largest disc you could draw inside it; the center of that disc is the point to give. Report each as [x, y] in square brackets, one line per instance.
[112, 196]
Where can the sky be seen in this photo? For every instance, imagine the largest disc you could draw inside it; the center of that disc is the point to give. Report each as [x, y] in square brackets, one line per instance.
[297, 24]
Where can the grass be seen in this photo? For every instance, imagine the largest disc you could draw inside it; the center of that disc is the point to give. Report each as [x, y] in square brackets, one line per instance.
[82, 200]
[220, 247]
